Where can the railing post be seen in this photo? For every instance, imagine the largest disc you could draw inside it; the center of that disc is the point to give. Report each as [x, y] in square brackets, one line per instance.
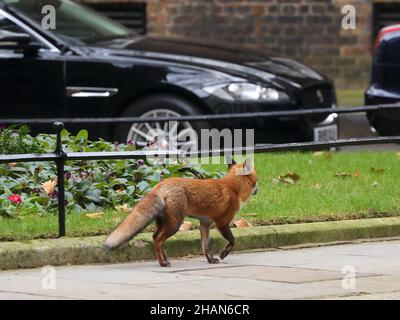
[60, 162]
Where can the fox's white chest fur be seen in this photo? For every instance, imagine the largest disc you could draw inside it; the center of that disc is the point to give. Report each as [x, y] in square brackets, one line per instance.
[241, 204]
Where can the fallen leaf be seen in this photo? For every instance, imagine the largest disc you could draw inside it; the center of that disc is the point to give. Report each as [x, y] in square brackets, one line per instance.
[251, 214]
[288, 181]
[377, 170]
[342, 174]
[242, 223]
[123, 208]
[140, 243]
[12, 164]
[185, 226]
[49, 186]
[323, 154]
[375, 184]
[275, 181]
[289, 178]
[293, 176]
[119, 190]
[357, 174]
[97, 215]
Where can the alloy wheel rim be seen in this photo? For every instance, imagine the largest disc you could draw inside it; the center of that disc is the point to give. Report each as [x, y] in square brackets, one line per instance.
[163, 133]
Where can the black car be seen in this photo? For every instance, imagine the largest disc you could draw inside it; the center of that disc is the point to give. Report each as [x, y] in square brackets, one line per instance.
[385, 83]
[89, 66]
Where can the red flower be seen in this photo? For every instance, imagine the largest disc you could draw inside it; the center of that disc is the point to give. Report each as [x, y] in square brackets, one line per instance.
[15, 198]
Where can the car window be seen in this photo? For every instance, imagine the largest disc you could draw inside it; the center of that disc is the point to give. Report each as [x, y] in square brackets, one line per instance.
[75, 24]
[8, 25]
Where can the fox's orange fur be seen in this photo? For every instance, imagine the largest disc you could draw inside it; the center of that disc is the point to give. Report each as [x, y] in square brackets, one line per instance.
[211, 201]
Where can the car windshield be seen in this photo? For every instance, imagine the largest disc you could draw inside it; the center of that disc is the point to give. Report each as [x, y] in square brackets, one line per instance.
[74, 23]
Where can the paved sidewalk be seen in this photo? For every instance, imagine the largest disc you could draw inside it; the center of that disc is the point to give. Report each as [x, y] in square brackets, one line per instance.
[310, 273]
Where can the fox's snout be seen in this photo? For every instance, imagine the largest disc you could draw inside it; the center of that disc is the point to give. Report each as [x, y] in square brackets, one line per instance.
[254, 190]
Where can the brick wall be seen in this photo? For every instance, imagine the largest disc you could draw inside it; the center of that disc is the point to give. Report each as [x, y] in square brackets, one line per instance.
[307, 30]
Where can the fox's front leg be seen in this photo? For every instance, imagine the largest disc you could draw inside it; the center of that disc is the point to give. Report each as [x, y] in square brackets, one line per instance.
[205, 241]
[227, 234]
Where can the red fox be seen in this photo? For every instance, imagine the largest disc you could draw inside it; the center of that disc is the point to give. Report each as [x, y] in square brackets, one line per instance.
[209, 200]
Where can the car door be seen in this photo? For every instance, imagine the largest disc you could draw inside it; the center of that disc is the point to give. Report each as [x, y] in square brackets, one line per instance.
[30, 86]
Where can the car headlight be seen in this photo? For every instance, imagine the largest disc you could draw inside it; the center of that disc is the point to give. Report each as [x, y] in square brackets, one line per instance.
[248, 92]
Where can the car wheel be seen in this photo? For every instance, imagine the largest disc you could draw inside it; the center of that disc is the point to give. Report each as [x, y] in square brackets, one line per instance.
[161, 106]
[383, 124]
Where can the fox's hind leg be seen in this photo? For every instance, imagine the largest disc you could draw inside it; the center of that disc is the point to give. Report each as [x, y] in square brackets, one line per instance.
[158, 221]
[205, 240]
[227, 234]
[158, 244]
[167, 226]
[166, 232]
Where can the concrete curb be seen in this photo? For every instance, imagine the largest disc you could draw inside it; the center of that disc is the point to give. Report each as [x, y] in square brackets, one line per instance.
[37, 253]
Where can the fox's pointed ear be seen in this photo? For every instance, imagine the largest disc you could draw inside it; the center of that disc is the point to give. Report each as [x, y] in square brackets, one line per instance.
[248, 166]
[230, 162]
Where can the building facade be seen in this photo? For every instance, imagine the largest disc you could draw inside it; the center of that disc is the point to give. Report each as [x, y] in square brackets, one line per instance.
[308, 30]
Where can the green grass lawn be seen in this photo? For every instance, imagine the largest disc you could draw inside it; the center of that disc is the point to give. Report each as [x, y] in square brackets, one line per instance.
[331, 187]
[350, 98]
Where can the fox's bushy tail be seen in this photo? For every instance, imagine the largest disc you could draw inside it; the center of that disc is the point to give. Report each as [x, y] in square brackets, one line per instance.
[141, 215]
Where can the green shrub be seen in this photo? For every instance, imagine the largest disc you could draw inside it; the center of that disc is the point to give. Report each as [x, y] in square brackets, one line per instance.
[15, 140]
[28, 188]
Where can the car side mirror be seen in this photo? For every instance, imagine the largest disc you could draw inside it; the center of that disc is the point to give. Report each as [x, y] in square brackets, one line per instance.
[19, 42]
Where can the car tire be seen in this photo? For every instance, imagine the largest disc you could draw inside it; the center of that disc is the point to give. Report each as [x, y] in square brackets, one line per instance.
[383, 125]
[153, 106]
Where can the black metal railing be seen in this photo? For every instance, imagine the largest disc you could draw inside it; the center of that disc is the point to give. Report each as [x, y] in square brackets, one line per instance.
[59, 156]
[207, 117]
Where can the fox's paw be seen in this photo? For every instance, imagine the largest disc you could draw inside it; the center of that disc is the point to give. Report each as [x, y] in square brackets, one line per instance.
[213, 260]
[223, 254]
[165, 264]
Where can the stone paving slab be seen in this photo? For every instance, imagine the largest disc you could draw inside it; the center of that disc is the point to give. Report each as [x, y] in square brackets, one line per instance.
[86, 250]
[23, 296]
[377, 296]
[308, 273]
[265, 273]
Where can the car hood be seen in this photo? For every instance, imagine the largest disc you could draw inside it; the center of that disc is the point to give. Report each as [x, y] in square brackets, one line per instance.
[238, 61]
